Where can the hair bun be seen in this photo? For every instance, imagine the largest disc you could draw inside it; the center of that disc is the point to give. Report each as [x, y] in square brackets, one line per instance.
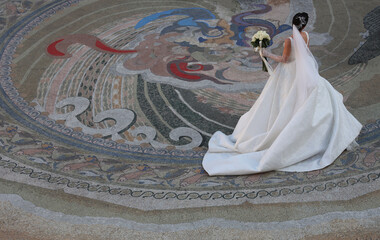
[300, 20]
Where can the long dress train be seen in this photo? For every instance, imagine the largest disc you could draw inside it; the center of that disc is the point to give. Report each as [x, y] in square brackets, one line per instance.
[298, 123]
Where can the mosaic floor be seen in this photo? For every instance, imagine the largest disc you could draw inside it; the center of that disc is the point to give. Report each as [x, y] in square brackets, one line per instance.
[107, 108]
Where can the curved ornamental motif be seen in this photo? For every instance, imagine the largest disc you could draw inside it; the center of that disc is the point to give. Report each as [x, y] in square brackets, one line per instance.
[124, 119]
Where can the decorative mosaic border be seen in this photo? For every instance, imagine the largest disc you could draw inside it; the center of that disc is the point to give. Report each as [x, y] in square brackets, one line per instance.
[14, 167]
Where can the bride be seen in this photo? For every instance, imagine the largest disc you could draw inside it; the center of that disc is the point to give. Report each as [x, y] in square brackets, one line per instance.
[298, 123]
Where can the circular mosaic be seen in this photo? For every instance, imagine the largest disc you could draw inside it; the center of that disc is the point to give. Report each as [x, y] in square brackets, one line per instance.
[126, 96]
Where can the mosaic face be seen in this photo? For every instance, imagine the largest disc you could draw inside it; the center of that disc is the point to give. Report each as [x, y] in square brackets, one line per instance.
[184, 49]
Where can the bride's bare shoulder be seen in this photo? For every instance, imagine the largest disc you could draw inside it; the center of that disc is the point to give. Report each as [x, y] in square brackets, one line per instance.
[305, 36]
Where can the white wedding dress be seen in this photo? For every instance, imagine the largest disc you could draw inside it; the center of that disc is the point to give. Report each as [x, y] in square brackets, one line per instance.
[298, 123]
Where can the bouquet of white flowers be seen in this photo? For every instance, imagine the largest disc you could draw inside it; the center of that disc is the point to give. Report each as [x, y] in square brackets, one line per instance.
[261, 39]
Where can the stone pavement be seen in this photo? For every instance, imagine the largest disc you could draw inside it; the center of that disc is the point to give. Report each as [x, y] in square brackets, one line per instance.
[107, 108]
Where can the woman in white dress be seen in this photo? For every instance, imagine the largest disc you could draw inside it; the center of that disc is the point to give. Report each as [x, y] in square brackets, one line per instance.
[298, 123]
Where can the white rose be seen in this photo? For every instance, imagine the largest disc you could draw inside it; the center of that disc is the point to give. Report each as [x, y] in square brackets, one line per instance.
[255, 37]
[260, 35]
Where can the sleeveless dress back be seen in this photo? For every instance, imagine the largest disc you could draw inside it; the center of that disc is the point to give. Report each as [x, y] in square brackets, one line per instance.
[298, 123]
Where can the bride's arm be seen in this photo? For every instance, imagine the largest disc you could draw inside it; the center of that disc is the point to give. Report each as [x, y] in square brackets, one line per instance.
[285, 53]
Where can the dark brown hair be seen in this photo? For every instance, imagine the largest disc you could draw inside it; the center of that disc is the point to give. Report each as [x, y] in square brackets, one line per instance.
[300, 20]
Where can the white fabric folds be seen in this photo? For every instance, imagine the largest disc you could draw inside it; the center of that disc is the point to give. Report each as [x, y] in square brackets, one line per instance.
[299, 123]
[269, 67]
